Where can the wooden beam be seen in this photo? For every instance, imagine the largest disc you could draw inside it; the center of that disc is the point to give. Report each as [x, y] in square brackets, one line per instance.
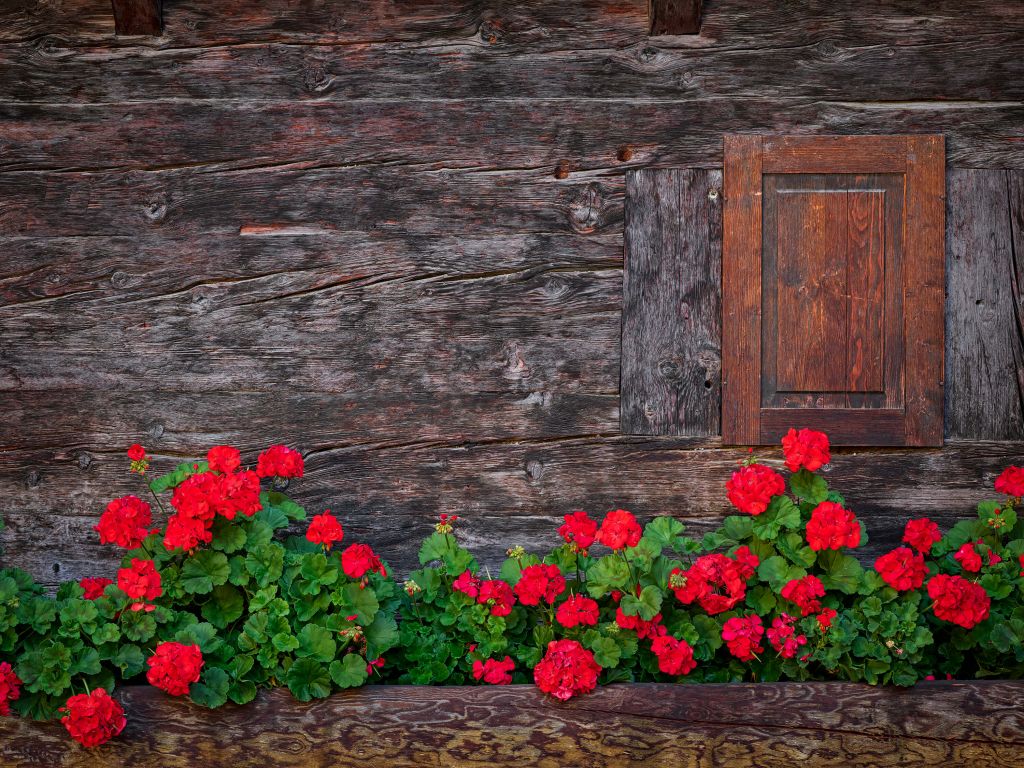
[675, 17]
[138, 17]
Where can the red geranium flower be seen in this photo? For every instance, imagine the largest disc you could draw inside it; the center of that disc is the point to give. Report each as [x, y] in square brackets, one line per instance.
[784, 638]
[493, 671]
[832, 527]
[902, 569]
[958, 600]
[750, 489]
[498, 595]
[746, 561]
[579, 531]
[807, 448]
[1011, 482]
[93, 718]
[825, 617]
[125, 522]
[805, 593]
[675, 657]
[10, 688]
[1020, 559]
[140, 582]
[921, 534]
[198, 496]
[238, 493]
[743, 635]
[279, 461]
[136, 452]
[566, 670]
[224, 459]
[359, 559]
[173, 667]
[325, 529]
[186, 533]
[467, 583]
[715, 581]
[968, 558]
[577, 610]
[619, 530]
[644, 628]
[94, 586]
[540, 582]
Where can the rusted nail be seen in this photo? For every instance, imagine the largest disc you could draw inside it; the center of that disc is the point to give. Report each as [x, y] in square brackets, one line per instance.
[562, 169]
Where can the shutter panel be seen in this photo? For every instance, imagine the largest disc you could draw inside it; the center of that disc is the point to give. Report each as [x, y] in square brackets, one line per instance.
[833, 288]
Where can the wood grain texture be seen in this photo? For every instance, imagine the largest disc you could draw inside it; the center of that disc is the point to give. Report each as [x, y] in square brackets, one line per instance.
[514, 491]
[137, 17]
[671, 308]
[741, 290]
[984, 350]
[782, 724]
[675, 17]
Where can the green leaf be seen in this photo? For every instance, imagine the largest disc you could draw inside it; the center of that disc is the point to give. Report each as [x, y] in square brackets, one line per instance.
[266, 563]
[319, 571]
[130, 660]
[177, 477]
[87, 662]
[201, 633]
[308, 679]
[809, 486]
[203, 571]
[646, 605]
[606, 651]
[776, 571]
[350, 672]
[279, 501]
[842, 572]
[362, 602]
[224, 606]
[138, 626]
[381, 635]
[606, 574]
[242, 691]
[781, 513]
[285, 642]
[738, 527]
[212, 689]
[664, 531]
[761, 600]
[228, 535]
[316, 642]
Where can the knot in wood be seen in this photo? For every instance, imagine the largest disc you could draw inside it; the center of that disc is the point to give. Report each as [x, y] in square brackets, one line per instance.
[84, 460]
[32, 478]
[827, 49]
[155, 430]
[315, 78]
[534, 469]
[647, 54]
[155, 211]
[490, 33]
[670, 369]
[121, 279]
[585, 209]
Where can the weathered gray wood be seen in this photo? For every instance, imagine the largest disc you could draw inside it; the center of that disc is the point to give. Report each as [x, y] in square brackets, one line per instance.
[984, 352]
[507, 491]
[1015, 186]
[671, 304]
[786, 725]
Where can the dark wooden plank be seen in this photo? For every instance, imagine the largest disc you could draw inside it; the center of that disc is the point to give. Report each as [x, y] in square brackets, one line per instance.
[865, 239]
[790, 725]
[671, 306]
[924, 289]
[138, 17]
[1015, 182]
[509, 492]
[741, 290]
[844, 426]
[835, 154]
[983, 341]
[675, 17]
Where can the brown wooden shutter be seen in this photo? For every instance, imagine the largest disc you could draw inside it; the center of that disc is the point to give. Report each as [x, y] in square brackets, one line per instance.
[833, 288]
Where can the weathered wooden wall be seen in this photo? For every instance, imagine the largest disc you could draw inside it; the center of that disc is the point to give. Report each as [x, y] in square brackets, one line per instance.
[391, 234]
[798, 725]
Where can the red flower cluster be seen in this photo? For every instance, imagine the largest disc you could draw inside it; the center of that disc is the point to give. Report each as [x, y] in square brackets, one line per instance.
[325, 529]
[498, 595]
[783, 637]
[93, 718]
[173, 667]
[825, 618]
[139, 460]
[223, 459]
[675, 657]
[577, 610]
[746, 560]
[902, 569]
[540, 582]
[280, 461]
[958, 600]
[805, 593]
[467, 583]
[921, 534]
[743, 635]
[10, 688]
[714, 581]
[493, 671]
[360, 559]
[93, 586]
[1011, 482]
[807, 449]
[201, 497]
[579, 531]
[140, 582]
[750, 489]
[832, 527]
[619, 529]
[566, 670]
[125, 522]
[644, 628]
[968, 558]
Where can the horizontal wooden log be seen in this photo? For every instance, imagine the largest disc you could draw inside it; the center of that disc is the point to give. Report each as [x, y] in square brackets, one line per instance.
[508, 492]
[803, 725]
[137, 17]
